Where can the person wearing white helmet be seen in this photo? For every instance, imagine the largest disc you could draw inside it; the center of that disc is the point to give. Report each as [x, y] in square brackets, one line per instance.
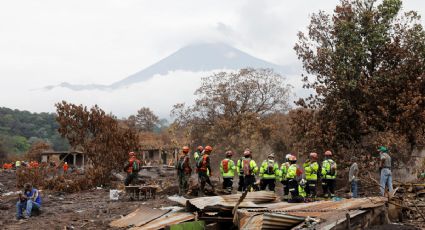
[269, 171]
[291, 176]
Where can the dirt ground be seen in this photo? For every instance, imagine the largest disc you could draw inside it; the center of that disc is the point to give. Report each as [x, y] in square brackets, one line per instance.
[93, 209]
[84, 210]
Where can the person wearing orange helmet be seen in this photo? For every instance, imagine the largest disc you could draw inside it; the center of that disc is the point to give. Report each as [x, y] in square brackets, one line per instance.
[311, 168]
[227, 170]
[248, 168]
[204, 170]
[132, 167]
[328, 175]
[282, 175]
[183, 171]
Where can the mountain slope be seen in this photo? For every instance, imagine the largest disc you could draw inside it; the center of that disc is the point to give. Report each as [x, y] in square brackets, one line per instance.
[200, 57]
[194, 58]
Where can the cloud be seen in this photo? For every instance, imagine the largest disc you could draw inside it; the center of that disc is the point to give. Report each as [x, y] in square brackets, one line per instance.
[159, 93]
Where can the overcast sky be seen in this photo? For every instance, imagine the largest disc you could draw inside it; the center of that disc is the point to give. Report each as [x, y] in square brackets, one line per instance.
[103, 41]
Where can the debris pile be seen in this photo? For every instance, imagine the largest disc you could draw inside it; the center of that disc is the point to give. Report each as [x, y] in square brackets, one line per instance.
[262, 210]
[410, 198]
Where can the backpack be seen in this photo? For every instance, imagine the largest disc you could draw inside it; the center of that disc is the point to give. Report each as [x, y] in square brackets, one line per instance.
[270, 167]
[202, 163]
[136, 166]
[225, 164]
[246, 167]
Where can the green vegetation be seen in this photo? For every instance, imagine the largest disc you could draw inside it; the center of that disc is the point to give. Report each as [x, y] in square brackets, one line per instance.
[20, 129]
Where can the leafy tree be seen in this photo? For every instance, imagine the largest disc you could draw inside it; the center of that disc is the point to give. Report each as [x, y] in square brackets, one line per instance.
[366, 63]
[99, 135]
[231, 108]
[3, 153]
[146, 120]
[16, 125]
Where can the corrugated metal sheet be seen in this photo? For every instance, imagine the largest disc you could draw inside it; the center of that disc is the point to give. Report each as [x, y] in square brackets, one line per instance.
[229, 201]
[166, 220]
[252, 221]
[280, 221]
[141, 216]
[323, 206]
[178, 199]
[287, 215]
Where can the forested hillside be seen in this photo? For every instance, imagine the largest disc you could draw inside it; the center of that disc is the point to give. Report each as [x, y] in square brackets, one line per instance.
[19, 129]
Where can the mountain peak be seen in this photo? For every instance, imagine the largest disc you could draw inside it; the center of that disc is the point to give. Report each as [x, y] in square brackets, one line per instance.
[196, 57]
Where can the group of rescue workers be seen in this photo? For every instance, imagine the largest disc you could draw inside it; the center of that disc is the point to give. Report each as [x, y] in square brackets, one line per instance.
[298, 185]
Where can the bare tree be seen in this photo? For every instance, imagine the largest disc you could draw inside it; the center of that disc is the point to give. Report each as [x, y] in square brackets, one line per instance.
[99, 135]
[231, 106]
[146, 120]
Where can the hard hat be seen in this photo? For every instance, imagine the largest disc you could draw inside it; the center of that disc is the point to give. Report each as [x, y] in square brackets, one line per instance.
[208, 148]
[229, 153]
[131, 154]
[313, 155]
[328, 153]
[247, 152]
[200, 148]
[271, 155]
[288, 156]
[185, 149]
[382, 149]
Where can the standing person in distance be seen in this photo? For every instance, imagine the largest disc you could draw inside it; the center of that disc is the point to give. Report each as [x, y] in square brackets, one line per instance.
[183, 171]
[269, 171]
[227, 170]
[329, 168]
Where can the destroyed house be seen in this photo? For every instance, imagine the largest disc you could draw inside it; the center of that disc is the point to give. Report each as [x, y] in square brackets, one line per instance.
[73, 158]
[159, 156]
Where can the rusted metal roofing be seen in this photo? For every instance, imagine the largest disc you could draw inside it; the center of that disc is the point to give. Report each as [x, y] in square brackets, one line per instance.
[320, 207]
[252, 200]
[139, 217]
[166, 220]
[285, 215]
[249, 220]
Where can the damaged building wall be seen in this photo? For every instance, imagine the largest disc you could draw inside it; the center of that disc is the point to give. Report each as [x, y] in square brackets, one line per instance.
[410, 171]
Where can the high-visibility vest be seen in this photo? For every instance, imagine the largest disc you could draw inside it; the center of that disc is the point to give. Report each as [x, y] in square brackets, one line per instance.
[227, 168]
[311, 170]
[327, 169]
[269, 170]
[292, 171]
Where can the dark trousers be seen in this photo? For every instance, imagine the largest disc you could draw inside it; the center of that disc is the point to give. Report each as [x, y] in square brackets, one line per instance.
[285, 187]
[228, 183]
[183, 183]
[328, 186]
[311, 188]
[249, 181]
[204, 179]
[241, 183]
[130, 177]
[267, 182]
[293, 188]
